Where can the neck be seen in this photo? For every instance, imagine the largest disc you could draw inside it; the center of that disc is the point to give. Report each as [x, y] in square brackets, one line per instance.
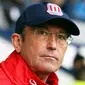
[42, 76]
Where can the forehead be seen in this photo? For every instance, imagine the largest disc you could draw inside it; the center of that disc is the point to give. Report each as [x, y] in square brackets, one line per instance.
[58, 25]
[53, 28]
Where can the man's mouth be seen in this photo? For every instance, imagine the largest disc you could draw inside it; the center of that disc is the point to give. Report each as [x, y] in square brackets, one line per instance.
[50, 56]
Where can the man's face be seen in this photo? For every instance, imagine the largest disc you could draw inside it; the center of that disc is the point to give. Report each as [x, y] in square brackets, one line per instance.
[42, 53]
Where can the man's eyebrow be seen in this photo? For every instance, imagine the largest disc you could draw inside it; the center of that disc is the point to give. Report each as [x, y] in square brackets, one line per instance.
[62, 31]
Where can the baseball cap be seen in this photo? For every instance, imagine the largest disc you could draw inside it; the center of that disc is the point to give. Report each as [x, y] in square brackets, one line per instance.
[40, 13]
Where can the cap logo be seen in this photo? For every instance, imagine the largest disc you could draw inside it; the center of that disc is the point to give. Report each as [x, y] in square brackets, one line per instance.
[54, 9]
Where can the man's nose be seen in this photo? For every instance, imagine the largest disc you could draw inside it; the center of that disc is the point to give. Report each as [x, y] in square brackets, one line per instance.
[51, 42]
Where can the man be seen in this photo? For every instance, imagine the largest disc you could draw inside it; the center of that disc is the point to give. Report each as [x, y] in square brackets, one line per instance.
[78, 67]
[41, 37]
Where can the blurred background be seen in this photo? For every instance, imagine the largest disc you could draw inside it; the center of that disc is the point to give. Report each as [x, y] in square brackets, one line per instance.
[72, 71]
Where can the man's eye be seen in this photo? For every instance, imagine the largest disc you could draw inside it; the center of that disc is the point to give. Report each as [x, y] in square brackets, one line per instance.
[61, 37]
[43, 32]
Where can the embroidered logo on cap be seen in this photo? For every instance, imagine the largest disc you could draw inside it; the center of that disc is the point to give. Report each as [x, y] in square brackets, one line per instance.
[54, 9]
[32, 82]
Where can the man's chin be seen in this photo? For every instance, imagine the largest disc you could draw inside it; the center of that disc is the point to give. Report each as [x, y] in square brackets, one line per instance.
[49, 69]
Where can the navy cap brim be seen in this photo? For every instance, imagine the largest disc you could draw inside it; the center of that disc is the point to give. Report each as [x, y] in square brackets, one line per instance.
[67, 24]
[37, 14]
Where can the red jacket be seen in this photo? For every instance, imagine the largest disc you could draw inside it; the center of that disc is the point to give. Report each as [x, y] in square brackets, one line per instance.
[14, 71]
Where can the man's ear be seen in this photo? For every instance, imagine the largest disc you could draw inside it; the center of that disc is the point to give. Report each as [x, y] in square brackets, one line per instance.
[16, 41]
